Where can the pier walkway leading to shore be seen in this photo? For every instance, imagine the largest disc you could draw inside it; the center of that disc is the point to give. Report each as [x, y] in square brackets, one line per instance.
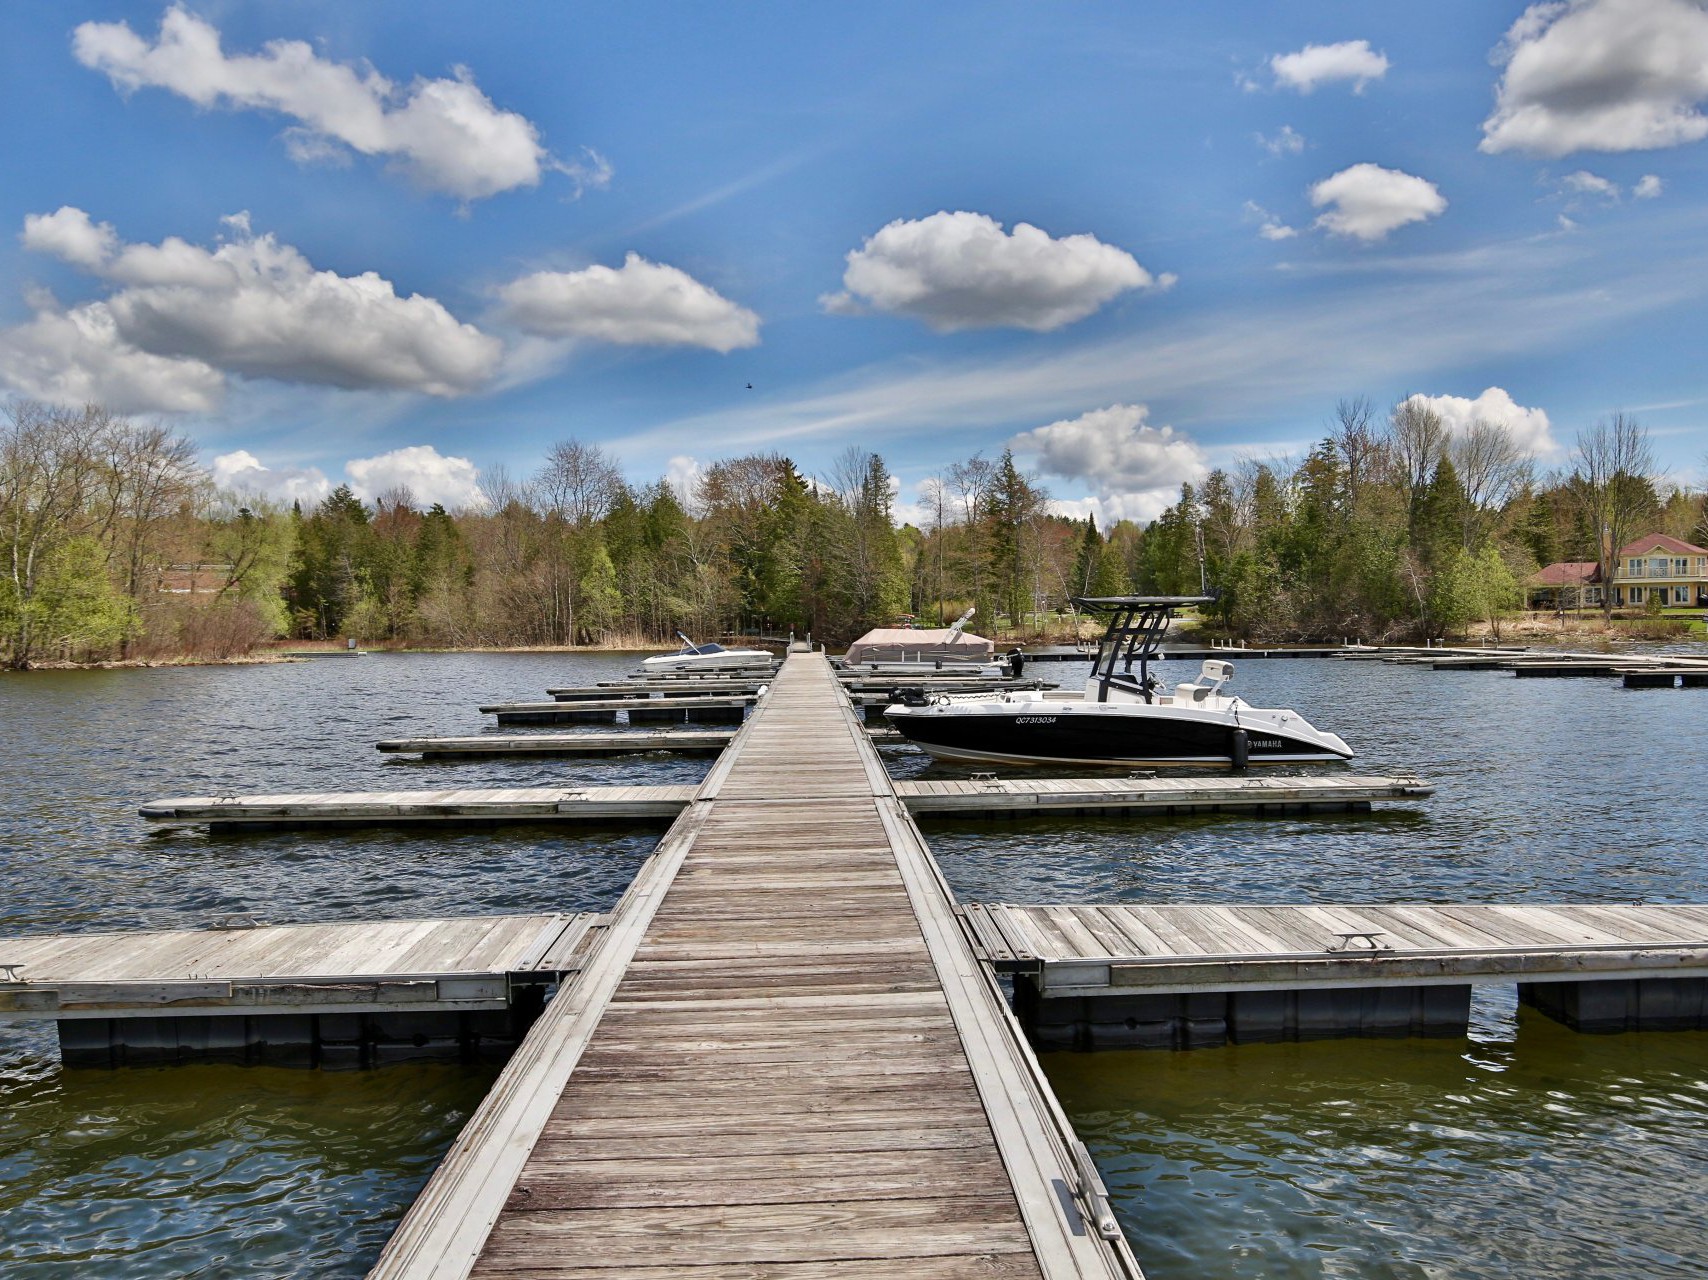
[782, 1058]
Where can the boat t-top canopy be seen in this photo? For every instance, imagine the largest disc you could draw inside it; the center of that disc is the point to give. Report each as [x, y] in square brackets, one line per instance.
[1133, 634]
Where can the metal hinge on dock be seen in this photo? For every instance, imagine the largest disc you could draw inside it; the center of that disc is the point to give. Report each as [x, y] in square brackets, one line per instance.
[1093, 1195]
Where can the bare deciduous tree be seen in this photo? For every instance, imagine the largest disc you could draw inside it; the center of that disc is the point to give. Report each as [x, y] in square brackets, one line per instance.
[1613, 468]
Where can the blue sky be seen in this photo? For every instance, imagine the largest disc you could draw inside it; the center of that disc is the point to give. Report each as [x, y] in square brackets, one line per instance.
[410, 244]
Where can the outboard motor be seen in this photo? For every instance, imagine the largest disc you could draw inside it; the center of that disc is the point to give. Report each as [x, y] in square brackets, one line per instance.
[1016, 662]
[910, 697]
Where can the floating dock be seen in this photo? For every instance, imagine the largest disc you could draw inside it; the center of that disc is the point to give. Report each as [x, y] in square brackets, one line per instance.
[782, 1058]
[1015, 798]
[988, 797]
[725, 707]
[350, 808]
[328, 995]
[1668, 677]
[1190, 976]
[682, 741]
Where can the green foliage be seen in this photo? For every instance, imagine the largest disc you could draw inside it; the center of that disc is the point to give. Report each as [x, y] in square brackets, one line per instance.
[75, 608]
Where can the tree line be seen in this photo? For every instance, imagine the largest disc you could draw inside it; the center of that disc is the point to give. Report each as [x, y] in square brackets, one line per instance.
[1394, 526]
[116, 543]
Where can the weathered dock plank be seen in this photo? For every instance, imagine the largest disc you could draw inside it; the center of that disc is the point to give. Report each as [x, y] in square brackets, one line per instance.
[638, 709]
[632, 741]
[1020, 797]
[440, 964]
[353, 808]
[1199, 948]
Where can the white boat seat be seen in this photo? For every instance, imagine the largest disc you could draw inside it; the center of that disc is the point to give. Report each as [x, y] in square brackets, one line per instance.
[1190, 693]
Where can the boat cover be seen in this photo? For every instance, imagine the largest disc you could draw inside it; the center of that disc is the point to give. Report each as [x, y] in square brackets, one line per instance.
[900, 644]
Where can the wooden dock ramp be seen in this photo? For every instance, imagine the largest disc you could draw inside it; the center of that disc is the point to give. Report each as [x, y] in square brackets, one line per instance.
[782, 1059]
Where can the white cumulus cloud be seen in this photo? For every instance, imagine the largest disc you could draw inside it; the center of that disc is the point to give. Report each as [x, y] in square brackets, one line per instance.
[1648, 187]
[682, 473]
[639, 303]
[78, 357]
[429, 476]
[1133, 469]
[1529, 428]
[1367, 201]
[445, 134]
[70, 234]
[1601, 75]
[244, 472]
[963, 271]
[258, 308]
[1317, 64]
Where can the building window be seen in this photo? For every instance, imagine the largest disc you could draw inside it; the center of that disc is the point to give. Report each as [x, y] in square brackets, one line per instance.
[1680, 568]
[1681, 595]
[1636, 595]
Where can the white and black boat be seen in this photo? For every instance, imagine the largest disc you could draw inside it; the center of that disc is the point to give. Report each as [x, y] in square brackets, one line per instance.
[707, 657]
[1124, 717]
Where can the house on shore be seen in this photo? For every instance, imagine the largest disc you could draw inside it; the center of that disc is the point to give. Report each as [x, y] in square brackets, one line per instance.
[1654, 566]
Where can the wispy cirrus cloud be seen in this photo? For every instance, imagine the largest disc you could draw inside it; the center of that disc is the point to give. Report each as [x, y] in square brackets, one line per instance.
[1509, 300]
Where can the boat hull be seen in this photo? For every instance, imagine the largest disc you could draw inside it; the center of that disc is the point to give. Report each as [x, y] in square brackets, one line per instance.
[1044, 734]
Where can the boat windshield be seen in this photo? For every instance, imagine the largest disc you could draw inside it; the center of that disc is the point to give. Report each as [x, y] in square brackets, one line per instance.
[708, 648]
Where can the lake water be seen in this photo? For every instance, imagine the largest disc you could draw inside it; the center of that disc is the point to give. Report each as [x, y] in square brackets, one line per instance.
[1524, 1150]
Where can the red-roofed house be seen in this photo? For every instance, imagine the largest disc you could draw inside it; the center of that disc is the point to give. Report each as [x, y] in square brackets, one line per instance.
[1656, 564]
[1653, 565]
[1567, 584]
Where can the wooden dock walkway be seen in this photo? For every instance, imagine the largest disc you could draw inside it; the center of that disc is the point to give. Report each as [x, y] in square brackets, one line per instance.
[987, 797]
[1195, 948]
[333, 996]
[1015, 798]
[641, 708]
[621, 742]
[1200, 976]
[491, 804]
[449, 964]
[782, 1059]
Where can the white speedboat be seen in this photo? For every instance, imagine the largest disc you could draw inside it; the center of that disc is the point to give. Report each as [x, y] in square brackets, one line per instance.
[707, 657]
[1122, 718]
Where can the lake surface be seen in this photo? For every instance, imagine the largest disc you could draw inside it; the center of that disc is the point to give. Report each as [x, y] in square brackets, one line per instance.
[1524, 1150]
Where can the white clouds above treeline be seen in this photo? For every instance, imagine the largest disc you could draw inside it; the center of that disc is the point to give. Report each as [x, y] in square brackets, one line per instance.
[1601, 75]
[1529, 428]
[426, 474]
[1131, 469]
[963, 271]
[179, 318]
[445, 134]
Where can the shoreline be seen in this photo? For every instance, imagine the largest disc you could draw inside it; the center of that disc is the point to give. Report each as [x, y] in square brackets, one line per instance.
[1525, 630]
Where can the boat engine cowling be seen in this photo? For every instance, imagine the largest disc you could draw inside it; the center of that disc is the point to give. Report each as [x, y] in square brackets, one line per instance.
[910, 697]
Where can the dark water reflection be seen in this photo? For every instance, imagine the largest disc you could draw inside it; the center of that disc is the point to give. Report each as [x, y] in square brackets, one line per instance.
[1524, 1151]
